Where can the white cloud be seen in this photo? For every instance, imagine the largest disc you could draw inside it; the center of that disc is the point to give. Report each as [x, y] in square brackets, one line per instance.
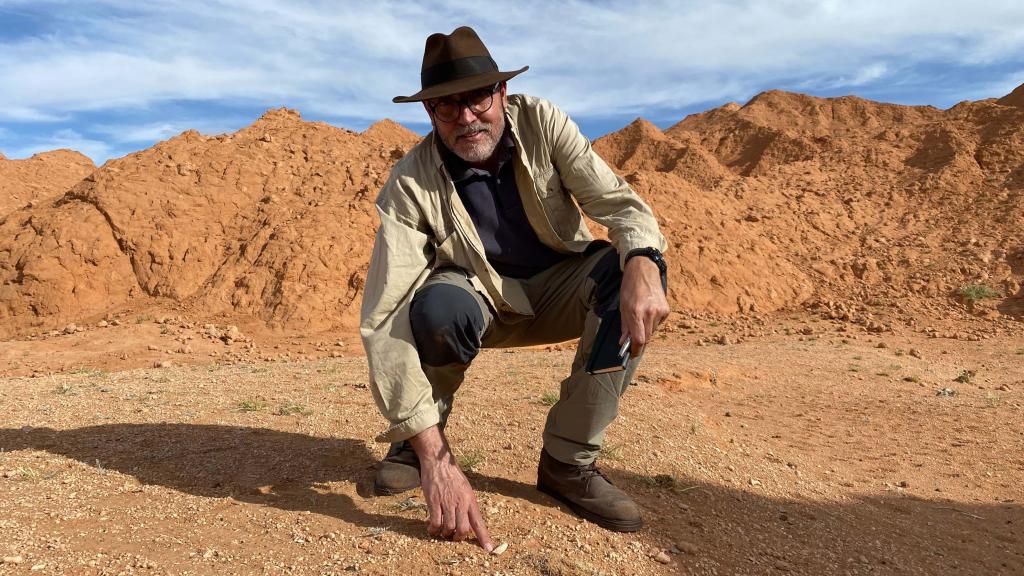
[97, 150]
[597, 59]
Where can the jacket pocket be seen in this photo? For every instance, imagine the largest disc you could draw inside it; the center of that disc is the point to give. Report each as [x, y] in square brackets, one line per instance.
[561, 210]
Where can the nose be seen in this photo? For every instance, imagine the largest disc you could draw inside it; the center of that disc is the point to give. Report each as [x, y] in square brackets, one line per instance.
[466, 116]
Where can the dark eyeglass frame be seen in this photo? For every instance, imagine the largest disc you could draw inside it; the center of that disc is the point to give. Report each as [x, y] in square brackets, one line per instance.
[464, 102]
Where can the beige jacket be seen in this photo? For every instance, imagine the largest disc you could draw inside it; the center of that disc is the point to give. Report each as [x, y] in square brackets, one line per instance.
[424, 225]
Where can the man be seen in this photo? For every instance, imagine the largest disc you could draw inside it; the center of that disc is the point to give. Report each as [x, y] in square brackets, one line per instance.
[482, 244]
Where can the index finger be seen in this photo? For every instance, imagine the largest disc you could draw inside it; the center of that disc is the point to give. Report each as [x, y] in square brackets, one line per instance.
[480, 529]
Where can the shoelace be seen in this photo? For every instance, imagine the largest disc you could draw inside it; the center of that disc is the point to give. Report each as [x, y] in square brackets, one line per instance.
[590, 471]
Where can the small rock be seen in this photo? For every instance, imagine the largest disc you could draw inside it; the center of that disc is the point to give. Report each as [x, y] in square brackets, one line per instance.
[185, 350]
[755, 482]
[70, 329]
[687, 547]
[783, 566]
[500, 549]
[948, 392]
[13, 559]
[881, 345]
[662, 558]
[38, 567]
[915, 352]
[153, 348]
[115, 322]
[163, 364]
[339, 343]
[102, 324]
[903, 484]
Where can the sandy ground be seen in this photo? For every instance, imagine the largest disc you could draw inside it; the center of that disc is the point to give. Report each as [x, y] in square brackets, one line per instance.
[817, 453]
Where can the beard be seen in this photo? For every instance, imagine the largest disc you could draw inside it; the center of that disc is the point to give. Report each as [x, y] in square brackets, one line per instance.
[480, 150]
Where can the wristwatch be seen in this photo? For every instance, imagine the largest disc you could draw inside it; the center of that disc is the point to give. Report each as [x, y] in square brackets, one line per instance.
[654, 254]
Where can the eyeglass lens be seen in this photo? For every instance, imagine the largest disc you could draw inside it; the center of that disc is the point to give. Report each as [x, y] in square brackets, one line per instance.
[478, 102]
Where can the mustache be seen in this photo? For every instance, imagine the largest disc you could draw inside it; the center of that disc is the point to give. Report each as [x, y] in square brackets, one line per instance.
[470, 128]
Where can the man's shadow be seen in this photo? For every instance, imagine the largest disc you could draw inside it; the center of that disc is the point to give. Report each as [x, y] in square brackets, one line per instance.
[256, 465]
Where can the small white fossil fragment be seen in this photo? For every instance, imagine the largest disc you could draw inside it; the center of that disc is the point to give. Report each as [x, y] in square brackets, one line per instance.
[500, 549]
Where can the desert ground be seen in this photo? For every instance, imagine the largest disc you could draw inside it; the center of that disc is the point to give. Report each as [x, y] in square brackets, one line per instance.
[820, 451]
[837, 391]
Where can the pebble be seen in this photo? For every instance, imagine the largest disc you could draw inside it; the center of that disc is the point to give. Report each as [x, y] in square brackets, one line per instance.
[101, 324]
[500, 549]
[915, 352]
[687, 547]
[164, 364]
[755, 482]
[662, 558]
[153, 347]
[13, 559]
[70, 329]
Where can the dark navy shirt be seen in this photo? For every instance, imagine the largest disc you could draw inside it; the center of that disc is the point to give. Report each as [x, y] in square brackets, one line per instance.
[492, 200]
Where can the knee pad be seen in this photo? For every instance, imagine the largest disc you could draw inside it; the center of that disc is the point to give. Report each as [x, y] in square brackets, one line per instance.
[446, 325]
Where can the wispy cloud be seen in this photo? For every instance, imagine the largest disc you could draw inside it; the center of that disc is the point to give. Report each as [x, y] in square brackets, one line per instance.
[345, 60]
[65, 138]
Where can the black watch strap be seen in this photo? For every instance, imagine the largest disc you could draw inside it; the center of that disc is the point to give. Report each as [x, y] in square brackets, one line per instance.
[654, 254]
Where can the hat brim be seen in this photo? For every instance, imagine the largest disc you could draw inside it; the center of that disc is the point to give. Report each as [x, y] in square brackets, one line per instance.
[460, 85]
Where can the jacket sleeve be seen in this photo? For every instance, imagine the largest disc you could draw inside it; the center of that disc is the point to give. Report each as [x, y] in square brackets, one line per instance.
[400, 263]
[601, 194]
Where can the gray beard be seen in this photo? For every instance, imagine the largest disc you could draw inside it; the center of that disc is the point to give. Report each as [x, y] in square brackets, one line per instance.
[480, 151]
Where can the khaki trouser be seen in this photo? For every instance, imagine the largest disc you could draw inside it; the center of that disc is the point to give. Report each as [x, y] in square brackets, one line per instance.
[567, 300]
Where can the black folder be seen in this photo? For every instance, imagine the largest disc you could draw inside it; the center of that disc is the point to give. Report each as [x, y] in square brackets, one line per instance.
[604, 356]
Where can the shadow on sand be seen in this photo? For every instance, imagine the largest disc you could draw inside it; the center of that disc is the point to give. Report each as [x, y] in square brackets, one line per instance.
[734, 528]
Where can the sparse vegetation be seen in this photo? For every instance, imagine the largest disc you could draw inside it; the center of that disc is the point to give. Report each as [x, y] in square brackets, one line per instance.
[290, 408]
[410, 503]
[63, 388]
[90, 372]
[610, 451]
[992, 399]
[549, 398]
[23, 473]
[965, 377]
[250, 405]
[972, 293]
[471, 460]
[658, 480]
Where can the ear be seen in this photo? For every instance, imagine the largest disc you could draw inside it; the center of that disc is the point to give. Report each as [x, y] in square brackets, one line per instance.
[504, 94]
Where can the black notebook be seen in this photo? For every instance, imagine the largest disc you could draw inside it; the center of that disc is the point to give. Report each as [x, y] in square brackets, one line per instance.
[604, 356]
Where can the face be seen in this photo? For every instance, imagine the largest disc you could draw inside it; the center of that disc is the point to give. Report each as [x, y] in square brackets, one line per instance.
[473, 137]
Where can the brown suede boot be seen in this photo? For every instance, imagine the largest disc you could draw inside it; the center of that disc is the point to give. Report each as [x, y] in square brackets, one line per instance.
[589, 493]
[398, 471]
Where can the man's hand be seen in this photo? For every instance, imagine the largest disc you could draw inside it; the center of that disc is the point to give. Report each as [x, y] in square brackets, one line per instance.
[642, 302]
[450, 499]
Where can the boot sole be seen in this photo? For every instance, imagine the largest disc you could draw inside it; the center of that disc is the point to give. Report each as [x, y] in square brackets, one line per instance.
[379, 490]
[606, 523]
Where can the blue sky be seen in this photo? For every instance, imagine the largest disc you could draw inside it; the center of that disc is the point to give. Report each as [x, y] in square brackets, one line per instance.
[110, 77]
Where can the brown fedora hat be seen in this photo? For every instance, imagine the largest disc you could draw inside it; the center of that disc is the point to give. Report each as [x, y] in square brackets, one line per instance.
[454, 63]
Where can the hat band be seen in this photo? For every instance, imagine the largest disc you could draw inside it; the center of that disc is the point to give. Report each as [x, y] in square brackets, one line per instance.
[456, 69]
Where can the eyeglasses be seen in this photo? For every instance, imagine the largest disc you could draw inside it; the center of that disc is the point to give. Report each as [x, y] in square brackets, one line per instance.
[478, 101]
